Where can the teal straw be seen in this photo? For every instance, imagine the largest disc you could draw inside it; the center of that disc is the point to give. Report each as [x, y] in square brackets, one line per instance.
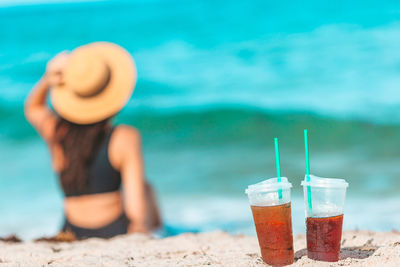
[278, 166]
[307, 170]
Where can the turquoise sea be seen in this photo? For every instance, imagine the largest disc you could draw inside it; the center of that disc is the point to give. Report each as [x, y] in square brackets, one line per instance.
[217, 81]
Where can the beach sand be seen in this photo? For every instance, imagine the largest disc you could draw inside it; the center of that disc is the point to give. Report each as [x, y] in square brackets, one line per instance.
[359, 248]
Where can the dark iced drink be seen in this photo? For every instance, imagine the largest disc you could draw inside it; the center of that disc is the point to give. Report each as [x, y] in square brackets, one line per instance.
[323, 238]
[324, 201]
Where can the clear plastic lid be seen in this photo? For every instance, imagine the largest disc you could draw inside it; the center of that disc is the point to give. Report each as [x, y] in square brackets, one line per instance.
[316, 181]
[269, 185]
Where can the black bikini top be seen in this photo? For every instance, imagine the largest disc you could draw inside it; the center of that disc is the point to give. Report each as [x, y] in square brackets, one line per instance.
[103, 178]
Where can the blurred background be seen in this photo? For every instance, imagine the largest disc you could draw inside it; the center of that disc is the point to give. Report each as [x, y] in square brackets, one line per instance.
[217, 80]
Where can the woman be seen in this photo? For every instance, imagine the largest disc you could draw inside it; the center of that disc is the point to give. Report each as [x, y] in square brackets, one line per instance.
[91, 157]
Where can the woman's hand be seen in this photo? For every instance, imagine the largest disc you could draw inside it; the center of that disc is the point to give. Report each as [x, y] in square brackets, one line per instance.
[138, 228]
[55, 68]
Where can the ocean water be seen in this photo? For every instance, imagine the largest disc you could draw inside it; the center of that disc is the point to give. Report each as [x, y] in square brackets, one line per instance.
[217, 80]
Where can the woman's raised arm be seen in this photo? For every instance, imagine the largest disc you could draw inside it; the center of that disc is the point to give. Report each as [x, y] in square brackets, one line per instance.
[36, 110]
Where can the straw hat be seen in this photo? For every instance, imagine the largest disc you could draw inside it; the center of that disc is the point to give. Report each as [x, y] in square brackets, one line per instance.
[99, 79]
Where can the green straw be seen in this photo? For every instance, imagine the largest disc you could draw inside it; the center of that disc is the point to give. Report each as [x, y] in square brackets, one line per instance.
[307, 170]
[278, 166]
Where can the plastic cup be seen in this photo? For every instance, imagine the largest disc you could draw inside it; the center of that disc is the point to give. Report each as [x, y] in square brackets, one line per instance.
[273, 220]
[324, 219]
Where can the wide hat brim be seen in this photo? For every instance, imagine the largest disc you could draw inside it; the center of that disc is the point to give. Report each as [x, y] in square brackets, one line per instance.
[88, 110]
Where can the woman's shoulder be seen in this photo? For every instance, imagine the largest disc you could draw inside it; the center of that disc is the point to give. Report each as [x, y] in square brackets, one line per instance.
[125, 133]
[125, 140]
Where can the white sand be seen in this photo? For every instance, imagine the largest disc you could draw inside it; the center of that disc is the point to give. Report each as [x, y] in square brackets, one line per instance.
[211, 249]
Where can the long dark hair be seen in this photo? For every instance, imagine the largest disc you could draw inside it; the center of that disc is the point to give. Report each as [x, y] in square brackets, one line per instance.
[79, 144]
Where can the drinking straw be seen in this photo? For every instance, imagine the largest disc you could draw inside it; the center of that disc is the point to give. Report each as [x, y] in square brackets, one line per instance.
[278, 166]
[307, 170]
